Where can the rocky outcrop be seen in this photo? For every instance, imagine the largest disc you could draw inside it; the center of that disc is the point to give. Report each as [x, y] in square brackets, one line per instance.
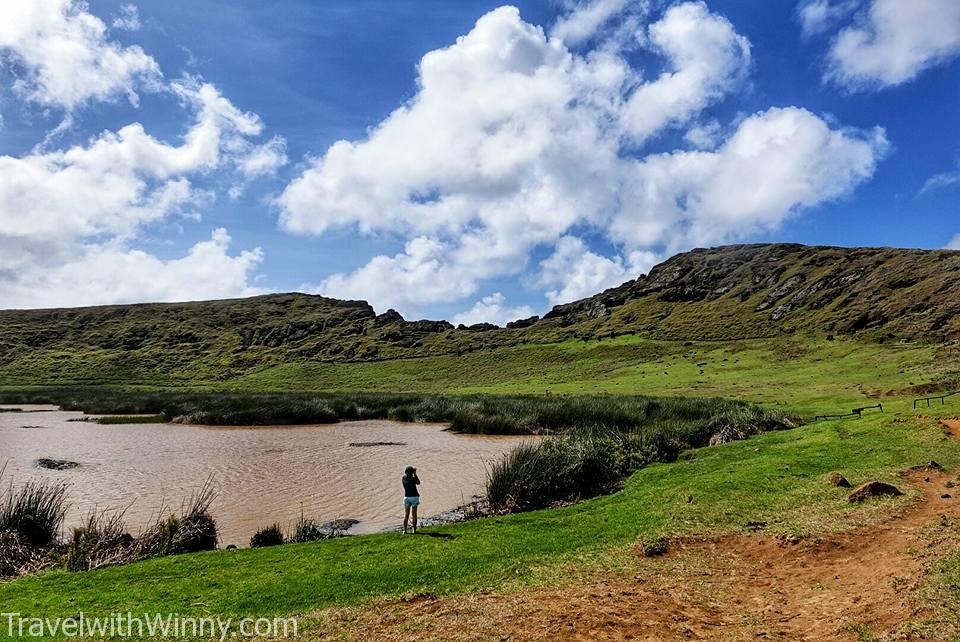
[871, 489]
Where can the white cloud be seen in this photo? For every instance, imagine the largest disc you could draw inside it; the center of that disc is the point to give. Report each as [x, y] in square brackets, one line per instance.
[775, 163]
[573, 272]
[493, 309]
[68, 217]
[512, 141]
[708, 59]
[893, 41]
[819, 16]
[114, 274]
[265, 159]
[704, 136]
[587, 17]
[128, 19]
[63, 58]
[941, 181]
[419, 274]
[120, 180]
[954, 243]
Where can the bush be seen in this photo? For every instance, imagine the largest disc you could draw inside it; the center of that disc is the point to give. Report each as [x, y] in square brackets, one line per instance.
[592, 460]
[557, 469]
[268, 536]
[35, 512]
[102, 541]
[192, 531]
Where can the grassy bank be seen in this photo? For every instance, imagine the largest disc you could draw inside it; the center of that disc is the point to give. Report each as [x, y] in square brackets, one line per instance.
[776, 479]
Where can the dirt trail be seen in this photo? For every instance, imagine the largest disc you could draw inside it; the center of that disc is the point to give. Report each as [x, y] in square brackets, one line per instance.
[952, 426]
[734, 588]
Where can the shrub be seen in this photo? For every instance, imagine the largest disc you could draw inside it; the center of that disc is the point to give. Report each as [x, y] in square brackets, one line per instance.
[268, 536]
[192, 531]
[102, 541]
[557, 469]
[35, 512]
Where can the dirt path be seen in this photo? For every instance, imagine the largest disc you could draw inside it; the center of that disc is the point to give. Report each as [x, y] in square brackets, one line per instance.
[735, 588]
[952, 426]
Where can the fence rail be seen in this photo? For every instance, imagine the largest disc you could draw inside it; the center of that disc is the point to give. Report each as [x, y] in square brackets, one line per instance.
[856, 412]
[942, 398]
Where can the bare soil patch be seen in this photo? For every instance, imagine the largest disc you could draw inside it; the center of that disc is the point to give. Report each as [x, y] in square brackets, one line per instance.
[952, 426]
[844, 586]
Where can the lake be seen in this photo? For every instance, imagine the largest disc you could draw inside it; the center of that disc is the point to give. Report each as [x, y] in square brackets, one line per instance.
[261, 475]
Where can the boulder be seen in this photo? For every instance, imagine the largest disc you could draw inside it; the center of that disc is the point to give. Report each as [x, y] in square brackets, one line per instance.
[874, 489]
[838, 480]
[55, 464]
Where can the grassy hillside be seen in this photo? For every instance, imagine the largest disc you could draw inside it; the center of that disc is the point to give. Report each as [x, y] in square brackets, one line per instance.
[725, 294]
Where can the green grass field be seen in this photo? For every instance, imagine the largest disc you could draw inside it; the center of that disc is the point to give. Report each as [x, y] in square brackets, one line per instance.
[801, 374]
[776, 478]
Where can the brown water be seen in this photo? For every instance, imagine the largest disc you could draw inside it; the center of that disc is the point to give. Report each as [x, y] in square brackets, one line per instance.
[261, 475]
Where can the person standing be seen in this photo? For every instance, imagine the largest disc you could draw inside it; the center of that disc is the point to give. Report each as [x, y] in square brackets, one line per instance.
[411, 497]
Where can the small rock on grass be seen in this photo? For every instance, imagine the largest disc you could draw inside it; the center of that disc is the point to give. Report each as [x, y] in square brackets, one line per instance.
[874, 489]
[838, 480]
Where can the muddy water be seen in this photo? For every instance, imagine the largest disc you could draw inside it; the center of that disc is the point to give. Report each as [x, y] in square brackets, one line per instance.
[261, 475]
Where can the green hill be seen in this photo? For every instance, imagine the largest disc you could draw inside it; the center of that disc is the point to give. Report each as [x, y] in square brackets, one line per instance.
[727, 293]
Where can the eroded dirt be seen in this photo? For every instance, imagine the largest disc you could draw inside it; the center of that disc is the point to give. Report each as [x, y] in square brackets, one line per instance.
[844, 586]
[952, 426]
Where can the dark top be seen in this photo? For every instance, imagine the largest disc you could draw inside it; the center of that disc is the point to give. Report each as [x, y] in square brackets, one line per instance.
[410, 485]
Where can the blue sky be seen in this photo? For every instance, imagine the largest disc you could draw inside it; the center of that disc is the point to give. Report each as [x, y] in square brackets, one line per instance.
[547, 154]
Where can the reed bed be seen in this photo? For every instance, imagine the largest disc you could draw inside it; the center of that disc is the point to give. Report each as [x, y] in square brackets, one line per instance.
[31, 520]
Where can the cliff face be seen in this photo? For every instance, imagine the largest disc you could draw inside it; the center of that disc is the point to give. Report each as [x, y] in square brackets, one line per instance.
[733, 292]
[762, 290]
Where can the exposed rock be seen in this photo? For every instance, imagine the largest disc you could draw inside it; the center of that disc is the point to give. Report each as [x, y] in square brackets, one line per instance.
[55, 464]
[478, 327]
[597, 310]
[523, 323]
[388, 317]
[838, 480]
[340, 524]
[872, 489]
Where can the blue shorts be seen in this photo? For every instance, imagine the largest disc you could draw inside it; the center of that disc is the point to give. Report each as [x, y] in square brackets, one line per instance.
[409, 502]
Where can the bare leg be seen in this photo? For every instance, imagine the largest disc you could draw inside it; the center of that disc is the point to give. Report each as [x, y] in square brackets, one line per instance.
[414, 519]
[406, 517]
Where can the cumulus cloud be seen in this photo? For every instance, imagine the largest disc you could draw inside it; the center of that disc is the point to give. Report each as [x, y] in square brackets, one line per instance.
[775, 163]
[68, 217]
[416, 275]
[115, 274]
[587, 17]
[708, 59]
[892, 41]
[819, 16]
[493, 309]
[513, 141]
[120, 180]
[954, 243]
[128, 19]
[62, 56]
[573, 271]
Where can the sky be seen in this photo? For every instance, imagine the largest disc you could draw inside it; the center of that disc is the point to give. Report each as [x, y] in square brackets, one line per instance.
[465, 160]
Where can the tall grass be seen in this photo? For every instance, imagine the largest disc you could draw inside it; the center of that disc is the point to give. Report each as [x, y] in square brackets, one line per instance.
[34, 512]
[594, 460]
[480, 414]
[32, 515]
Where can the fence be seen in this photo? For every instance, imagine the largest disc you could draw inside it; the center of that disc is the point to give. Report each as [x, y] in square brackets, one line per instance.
[942, 398]
[856, 412]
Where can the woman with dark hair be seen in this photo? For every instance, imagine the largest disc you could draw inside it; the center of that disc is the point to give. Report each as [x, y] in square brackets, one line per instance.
[411, 497]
